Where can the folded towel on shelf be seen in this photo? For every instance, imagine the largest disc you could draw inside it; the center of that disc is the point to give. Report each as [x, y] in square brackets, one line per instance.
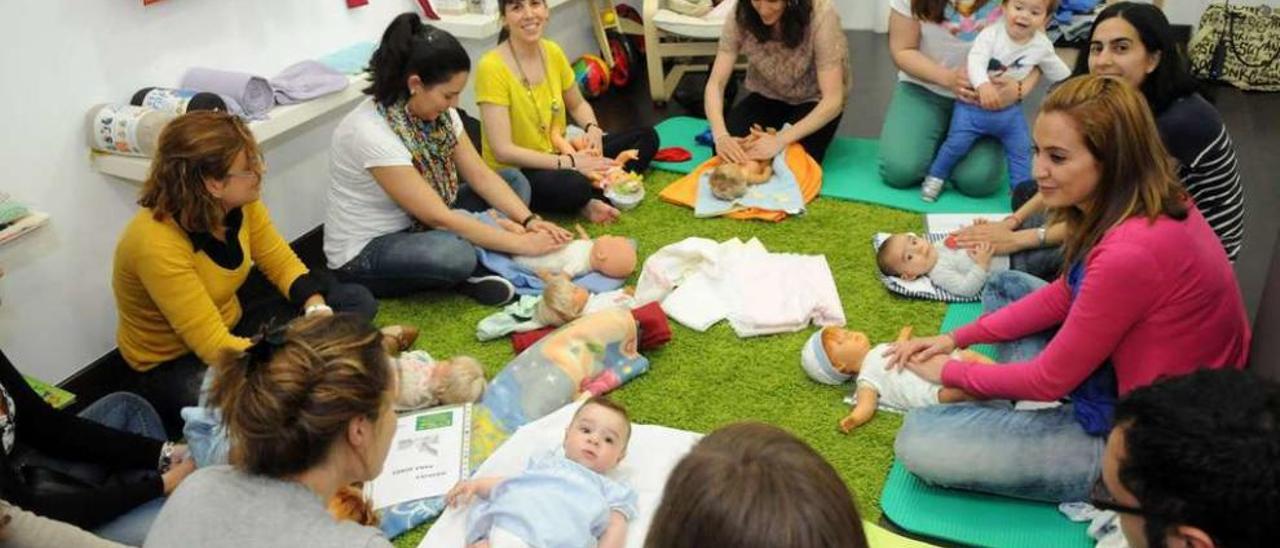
[252, 93]
[306, 80]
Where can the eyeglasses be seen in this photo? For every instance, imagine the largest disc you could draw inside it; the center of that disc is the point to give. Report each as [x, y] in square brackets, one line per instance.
[1101, 498]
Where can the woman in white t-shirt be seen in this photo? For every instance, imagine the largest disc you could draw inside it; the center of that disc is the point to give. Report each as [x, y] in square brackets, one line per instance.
[929, 41]
[405, 179]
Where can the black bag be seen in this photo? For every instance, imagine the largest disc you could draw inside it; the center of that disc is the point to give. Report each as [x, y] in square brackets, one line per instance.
[690, 93]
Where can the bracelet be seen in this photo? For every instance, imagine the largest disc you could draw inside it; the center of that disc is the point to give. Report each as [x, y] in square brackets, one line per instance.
[316, 309]
[573, 163]
[166, 457]
[1019, 91]
[1041, 234]
[559, 159]
[531, 218]
[589, 125]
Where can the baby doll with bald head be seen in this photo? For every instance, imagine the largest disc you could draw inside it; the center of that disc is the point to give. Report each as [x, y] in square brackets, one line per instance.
[834, 355]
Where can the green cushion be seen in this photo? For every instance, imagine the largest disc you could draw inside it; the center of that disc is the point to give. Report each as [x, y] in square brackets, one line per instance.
[851, 171]
[959, 314]
[975, 518]
[680, 131]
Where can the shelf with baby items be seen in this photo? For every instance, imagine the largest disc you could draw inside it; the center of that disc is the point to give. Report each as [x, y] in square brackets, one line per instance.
[16, 219]
[283, 120]
[477, 26]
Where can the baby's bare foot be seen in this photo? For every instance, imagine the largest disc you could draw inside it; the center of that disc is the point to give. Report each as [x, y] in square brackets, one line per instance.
[597, 211]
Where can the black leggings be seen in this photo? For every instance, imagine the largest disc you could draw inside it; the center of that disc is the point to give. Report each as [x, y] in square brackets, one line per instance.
[771, 113]
[175, 384]
[567, 191]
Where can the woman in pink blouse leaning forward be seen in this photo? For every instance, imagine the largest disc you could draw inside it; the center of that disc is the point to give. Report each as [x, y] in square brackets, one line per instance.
[1148, 293]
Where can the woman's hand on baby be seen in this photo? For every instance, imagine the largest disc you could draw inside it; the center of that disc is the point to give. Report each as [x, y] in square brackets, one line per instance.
[557, 233]
[535, 242]
[763, 146]
[462, 494]
[961, 87]
[587, 163]
[989, 97]
[1002, 240]
[929, 369]
[729, 149]
[1007, 92]
[981, 253]
[902, 354]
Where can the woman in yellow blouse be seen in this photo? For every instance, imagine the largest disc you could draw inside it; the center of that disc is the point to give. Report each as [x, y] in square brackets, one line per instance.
[187, 252]
[525, 89]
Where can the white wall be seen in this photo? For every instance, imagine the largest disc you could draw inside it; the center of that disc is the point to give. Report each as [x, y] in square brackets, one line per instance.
[62, 56]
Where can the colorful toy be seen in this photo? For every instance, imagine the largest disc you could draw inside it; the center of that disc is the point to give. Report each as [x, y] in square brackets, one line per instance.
[592, 75]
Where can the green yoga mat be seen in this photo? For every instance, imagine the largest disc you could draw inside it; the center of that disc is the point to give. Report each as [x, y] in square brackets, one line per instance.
[959, 314]
[680, 132]
[975, 518]
[851, 171]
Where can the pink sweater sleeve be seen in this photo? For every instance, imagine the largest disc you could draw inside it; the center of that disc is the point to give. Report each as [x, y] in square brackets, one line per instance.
[1042, 309]
[1119, 287]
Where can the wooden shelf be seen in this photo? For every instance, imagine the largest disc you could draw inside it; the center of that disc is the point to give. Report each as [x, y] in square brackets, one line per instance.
[282, 121]
[474, 25]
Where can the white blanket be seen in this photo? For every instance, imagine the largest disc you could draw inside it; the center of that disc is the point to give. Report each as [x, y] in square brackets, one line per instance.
[651, 455]
[700, 282]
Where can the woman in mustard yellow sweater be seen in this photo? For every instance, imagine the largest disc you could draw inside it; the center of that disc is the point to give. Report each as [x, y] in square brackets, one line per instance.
[187, 252]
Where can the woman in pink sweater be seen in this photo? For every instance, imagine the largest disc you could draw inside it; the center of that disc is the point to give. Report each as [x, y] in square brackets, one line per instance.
[1149, 293]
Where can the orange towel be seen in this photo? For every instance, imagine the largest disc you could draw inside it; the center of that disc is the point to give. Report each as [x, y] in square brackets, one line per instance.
[684, 191]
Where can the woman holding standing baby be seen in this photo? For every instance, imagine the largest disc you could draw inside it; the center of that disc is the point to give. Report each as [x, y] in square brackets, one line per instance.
[1149, 293]
[797, 73]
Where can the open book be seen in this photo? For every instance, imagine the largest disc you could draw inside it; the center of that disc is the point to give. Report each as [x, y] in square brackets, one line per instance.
[429, 454]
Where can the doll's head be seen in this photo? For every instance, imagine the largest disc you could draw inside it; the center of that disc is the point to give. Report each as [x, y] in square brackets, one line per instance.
[727, 182]
[598, 434]
[906, 256]
[425, 382]
[562, 300]
[613, 256]
[834, 355]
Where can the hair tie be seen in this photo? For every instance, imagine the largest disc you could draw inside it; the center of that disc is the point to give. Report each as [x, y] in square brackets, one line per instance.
[269, 339]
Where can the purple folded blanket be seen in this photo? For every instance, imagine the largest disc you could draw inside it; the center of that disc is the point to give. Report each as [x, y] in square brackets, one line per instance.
[306, 80]
[252, 93]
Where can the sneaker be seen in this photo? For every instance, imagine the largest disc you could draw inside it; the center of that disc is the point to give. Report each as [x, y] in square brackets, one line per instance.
[488, 290]
[931, 188]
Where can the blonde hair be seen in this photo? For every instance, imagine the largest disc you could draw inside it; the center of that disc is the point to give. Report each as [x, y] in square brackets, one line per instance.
[557, 306]
[464, 384]
[192, 148]
[1137, 175]
[291, 395]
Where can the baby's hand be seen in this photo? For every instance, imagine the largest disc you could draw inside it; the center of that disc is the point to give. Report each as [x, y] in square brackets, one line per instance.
[981, 253]
[988, 97]
[462, 493]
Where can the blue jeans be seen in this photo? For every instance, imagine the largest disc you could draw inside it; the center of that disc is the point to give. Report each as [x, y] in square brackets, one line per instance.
[990, 447]
[409, 261]
[130, 413]
[969, 122]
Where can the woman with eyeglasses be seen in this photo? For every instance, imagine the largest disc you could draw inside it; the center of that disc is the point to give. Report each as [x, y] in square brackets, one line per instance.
[190, 249]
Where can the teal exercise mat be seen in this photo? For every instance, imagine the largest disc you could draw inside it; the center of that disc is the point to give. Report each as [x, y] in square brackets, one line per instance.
[959, 314]
[851, 171]
[976, 519]
[680, 131]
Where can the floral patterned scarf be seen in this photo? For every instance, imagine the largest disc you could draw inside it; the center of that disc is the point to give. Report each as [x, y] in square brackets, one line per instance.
[430, 143]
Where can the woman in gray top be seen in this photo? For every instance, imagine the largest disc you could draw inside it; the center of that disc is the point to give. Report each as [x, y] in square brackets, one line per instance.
[308, 410]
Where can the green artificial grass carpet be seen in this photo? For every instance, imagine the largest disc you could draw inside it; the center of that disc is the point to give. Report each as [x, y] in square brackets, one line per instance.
[700, 381]
[977, 519]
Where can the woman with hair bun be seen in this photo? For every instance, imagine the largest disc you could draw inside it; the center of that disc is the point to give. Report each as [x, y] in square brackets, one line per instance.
[308, 409]
[405, 178]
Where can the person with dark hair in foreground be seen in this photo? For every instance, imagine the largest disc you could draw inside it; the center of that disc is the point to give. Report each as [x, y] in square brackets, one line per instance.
[754, 484]
[1195, 461]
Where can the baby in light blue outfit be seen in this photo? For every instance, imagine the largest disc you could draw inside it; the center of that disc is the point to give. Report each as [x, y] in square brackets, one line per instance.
[561, 499]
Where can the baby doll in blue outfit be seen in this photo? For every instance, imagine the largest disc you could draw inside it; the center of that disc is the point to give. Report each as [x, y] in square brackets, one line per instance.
[561, 499]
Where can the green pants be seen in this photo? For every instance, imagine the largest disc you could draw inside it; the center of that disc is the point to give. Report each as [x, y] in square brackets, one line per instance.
[914, 128]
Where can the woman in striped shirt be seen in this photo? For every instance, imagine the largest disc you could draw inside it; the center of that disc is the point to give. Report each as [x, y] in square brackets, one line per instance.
[1134, 42]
